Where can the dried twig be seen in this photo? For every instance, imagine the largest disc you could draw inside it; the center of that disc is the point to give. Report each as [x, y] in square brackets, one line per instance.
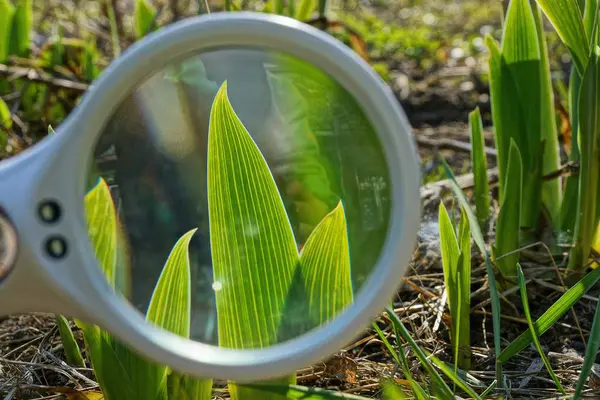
[42, 77]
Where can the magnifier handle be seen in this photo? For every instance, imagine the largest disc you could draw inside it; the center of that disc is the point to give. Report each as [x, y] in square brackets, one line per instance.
[8, 246]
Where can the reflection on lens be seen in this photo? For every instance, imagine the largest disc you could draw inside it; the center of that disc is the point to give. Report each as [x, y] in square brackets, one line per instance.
[242, 191]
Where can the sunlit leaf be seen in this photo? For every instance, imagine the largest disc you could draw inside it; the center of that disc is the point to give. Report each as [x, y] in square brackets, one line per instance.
[552, 315]
[187, 388]
[325, 268]
[566, 17]
[391, 391]
[532, 328]
[101, 220]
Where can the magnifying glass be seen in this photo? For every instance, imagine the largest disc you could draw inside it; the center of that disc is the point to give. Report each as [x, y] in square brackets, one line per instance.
[245, 168]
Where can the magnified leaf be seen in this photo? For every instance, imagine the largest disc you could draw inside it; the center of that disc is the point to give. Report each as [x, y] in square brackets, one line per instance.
[325, 266]
[252, 243]
[101, 220]
[7, 11]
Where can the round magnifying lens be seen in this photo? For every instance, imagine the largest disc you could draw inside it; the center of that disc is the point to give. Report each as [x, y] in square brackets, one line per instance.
[242, 189]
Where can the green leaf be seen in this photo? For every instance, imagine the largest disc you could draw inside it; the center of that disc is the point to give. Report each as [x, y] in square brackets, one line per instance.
[445, 393]
[7, 11]
[305, 10]
[589, 147]
[479, 165]
[509, 219]
[101, 220]
[108, 370]
[533, 330]
[552, 315]
[5, 115]
[187, 388]
[278, 6]
[70, 346]
[325, 268]
[521, 51]
[479, 241]
[254, 263]
[591, 352]
[144, 15]
[293, 392]
[454, 377]
[506, 112]
[21, 28]
[552, 189]
[170, 305]
[566, 17]
[400, 358]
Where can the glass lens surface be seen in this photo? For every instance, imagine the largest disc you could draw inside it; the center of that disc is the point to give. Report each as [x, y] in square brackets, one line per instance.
[239, 197]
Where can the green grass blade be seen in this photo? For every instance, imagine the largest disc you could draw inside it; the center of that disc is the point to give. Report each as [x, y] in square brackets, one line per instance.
[400, 359]
[70, 346]
[305, 10]
[566, 17]
[479, 241]
[454, 377]
[553, 314]
[325, 268]
[509, 219]
[21, 28]
[479, 165]
[590, 20]
[144, 15]
[101, 220]
[551, 190]
[293, 392]
[446, 392]
[589, 137]
[450, 255]
[591, 352]
[114, 32]
[243, 193]
[532, 329]
[7, 11]
[488, 390]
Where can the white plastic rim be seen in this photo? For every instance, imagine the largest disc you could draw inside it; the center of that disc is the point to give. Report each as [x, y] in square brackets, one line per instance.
[56, 169]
